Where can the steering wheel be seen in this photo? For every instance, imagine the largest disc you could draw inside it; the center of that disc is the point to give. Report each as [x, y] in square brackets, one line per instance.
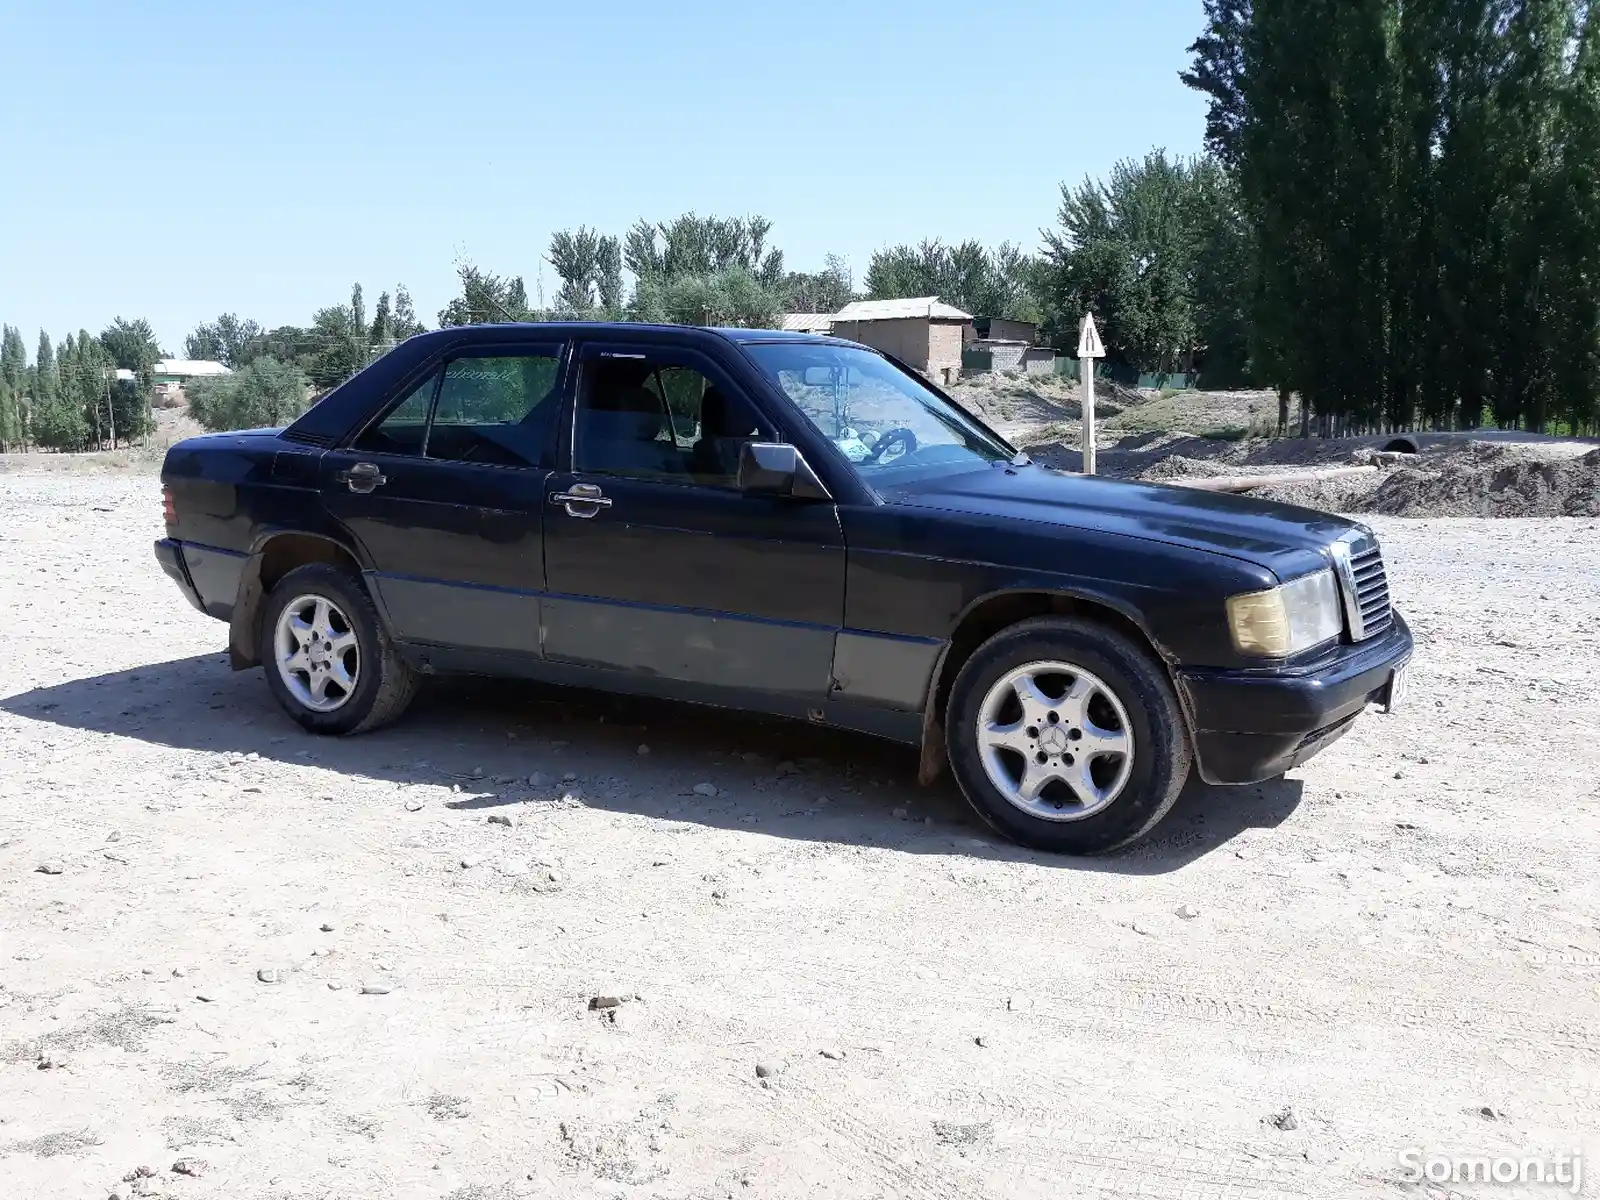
[897, 436]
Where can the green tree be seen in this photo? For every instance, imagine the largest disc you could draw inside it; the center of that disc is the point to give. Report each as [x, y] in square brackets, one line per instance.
[731, 297]
[1160, 253]
[824, 291]
[589, 265]
[485, 299]
[56, 420]
[226, 340]
[998, 284]
[13, 388]
[261, 394]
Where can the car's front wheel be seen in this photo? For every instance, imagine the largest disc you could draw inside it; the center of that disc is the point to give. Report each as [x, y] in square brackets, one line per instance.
[328, 658]
[1066, 736]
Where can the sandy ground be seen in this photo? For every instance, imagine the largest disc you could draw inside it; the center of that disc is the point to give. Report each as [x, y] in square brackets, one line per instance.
[1398, 943]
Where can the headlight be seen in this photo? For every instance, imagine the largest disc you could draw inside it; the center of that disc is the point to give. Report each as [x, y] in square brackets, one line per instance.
[1286, 619]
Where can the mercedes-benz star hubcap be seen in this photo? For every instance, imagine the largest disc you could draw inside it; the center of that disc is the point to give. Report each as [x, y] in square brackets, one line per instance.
[1055, 741]
[318, 654]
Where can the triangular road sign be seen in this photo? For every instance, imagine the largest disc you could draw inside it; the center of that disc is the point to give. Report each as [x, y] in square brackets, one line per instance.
[1089, 345]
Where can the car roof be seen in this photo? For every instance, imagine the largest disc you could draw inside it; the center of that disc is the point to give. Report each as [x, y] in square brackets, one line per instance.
[518, 331]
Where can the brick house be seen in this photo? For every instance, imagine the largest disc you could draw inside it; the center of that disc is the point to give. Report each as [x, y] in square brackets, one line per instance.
[924, 333]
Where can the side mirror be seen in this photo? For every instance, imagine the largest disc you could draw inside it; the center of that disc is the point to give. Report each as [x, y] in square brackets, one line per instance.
[777, 469]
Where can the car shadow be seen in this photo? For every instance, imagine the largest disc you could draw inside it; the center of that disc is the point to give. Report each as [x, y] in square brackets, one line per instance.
[784, 778]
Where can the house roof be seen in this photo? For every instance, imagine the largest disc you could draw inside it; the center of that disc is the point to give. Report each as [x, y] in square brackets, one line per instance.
[899, 310]
[190, 367]
[807, 322]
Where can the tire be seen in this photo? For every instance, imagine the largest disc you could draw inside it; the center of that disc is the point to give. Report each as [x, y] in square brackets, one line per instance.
[382, 683]
[1089, 803]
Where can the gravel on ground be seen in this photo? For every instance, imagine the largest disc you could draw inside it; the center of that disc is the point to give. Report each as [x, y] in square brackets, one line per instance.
[758, 960]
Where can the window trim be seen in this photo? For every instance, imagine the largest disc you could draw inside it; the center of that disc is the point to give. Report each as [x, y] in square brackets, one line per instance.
[658, 355]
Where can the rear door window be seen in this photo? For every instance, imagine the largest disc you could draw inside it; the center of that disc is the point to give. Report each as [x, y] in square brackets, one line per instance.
[497, 409]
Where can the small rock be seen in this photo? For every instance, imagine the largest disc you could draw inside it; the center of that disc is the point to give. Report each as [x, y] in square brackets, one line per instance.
[1187, 911]
[553, 876]
[1244, 853]
[254, 790]
[514, 868]
[269, 975]
[334, 985]
[204, 997]
[718, 894]
[535, 780]
[928, 821]
[500, 819]
[703, 789]
[831, 1052]
[768, 1070]
[192, 1167]
[376, 988]
[1285, 1119]
[900, 813]
[951, 1133]
[599, 1003]
[569, 776]
[477, 772]
[1399, 774]
[1423, 760]
[118, 1193]
[147, 970]
[1141, 928]
[326, 927]
[643, 750]
[178, 972]
[139, 1173]
[505, 780]
[51, 1062]
[413, 805]
[468, 863]
[1018, 1003]
[49, 868]
[1489, 1113]
[981, 1040]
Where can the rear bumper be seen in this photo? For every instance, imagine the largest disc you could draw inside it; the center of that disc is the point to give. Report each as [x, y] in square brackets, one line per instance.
[1252, 726]
[170, 555]
[207, 576]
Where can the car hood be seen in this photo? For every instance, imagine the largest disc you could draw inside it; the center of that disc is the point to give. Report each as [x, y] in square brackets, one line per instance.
[1284, 538]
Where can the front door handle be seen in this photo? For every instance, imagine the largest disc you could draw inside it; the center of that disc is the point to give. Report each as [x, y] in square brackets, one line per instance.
[363, 477]
[581, 500]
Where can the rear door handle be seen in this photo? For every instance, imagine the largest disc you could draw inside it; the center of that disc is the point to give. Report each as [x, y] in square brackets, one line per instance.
[363, 477]
[581, 500]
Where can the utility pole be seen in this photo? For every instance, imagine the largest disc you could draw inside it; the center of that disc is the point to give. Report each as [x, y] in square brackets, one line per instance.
[1089, 349]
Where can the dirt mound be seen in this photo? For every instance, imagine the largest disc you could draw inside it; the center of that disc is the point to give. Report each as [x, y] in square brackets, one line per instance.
[1484, 479]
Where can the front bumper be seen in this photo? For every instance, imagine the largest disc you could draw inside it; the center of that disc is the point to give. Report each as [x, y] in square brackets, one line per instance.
[170, 555]
[1255, 725]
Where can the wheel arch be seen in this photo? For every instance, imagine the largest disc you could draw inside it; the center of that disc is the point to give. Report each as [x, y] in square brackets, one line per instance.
[272, 556]
[989, 615]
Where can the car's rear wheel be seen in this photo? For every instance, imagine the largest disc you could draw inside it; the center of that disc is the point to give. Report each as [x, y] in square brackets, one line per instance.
[1066, 736]
[328, 659]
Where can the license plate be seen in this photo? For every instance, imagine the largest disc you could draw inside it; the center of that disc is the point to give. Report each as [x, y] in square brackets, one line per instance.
[1397, 689]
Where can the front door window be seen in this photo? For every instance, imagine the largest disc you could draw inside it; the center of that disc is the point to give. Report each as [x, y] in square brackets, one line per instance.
[643, 418]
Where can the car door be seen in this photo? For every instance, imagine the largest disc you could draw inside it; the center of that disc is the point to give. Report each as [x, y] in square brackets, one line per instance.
[444, 493]
[658, 566]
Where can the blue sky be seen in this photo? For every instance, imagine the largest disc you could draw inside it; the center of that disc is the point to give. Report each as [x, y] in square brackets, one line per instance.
[176, 160]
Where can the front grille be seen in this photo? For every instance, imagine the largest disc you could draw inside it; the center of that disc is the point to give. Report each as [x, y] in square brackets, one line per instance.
[1368, 586]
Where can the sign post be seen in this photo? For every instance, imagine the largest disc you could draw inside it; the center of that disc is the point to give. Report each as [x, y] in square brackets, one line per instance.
[1089, 349]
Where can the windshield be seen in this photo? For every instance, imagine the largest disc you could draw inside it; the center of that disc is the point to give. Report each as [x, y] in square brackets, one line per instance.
[886, 422]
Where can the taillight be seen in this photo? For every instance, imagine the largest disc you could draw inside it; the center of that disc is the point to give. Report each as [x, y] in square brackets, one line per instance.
[168, 513]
